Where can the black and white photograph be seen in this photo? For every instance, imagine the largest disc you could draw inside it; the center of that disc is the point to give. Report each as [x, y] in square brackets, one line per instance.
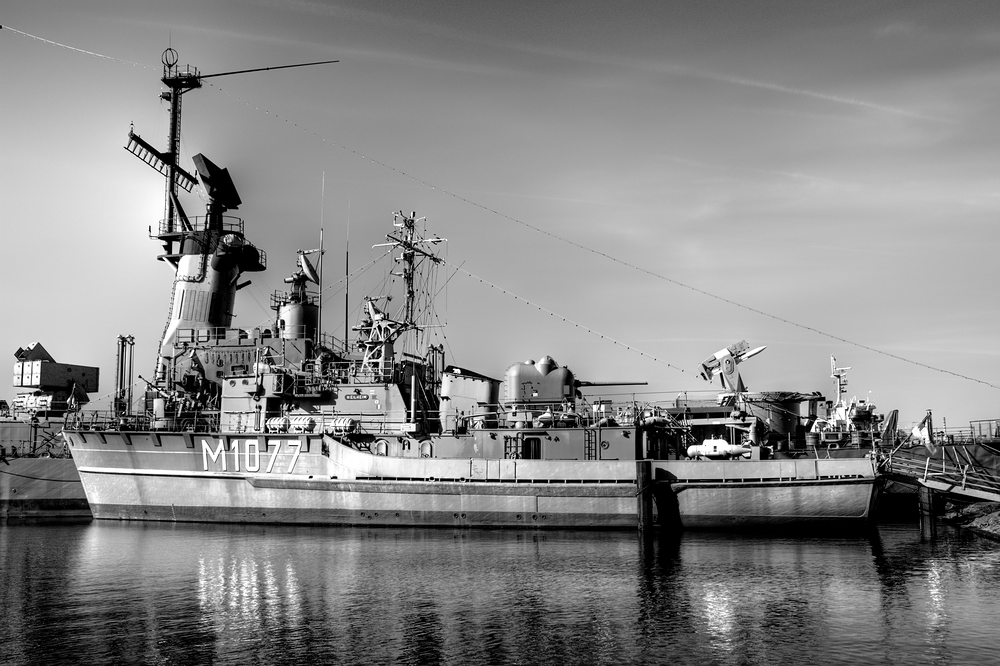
[513, 332]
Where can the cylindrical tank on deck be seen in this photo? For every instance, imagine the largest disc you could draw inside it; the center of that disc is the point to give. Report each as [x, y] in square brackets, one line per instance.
[717, 448]
[340, 425]
[297, 423]
[301, 423]
[298, 320]
[278, 424]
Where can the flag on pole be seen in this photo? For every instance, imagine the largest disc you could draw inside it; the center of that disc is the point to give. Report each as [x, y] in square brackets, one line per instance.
[923, 432]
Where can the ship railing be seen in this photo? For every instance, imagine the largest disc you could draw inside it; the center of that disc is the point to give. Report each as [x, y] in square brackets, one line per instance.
[23, 448]
[195, 336]
[169, 227]
[556, 415]
[311, 384]
[105, 420]
[984, 430]
[334, 344]
[987, 430]
[355, 369]
[200, 421]
[282, 298]
[487, 417]
[244, 422]
[176, 71]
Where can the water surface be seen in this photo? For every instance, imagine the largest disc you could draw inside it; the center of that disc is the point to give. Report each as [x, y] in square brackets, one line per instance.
[110, 592]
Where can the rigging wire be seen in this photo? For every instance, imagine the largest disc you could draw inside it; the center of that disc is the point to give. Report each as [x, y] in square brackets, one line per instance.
[541, 231]
[605, 255]
[570, 321]
[73, 48]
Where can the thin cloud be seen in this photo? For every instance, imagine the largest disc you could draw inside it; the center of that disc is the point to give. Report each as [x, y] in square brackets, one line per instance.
[819, 180]
[684, 70]
[441, 31]
[815, 95]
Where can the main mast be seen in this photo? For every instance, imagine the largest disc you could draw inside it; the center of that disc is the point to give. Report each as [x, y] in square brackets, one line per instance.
[208, 253]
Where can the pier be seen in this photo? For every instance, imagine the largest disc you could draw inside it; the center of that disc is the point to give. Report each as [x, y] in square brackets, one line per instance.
[957, 474]
[966, 480]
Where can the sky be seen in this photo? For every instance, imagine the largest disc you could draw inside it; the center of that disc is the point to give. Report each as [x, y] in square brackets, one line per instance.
[627, 187]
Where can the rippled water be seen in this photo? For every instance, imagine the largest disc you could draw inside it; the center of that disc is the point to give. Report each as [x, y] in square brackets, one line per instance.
[112, 592]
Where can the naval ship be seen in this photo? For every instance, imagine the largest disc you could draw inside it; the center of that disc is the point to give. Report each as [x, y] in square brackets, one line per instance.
[285, 424]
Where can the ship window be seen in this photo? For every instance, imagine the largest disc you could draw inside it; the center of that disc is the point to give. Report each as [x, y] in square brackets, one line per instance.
[531, 448]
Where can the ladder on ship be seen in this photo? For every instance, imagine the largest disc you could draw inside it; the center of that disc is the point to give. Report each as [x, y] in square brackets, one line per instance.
[963, 480]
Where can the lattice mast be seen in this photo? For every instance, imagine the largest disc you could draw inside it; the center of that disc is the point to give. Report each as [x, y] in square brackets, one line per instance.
[379, 332]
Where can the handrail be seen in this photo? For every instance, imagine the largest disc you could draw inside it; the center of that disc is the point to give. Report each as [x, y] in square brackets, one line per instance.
[961, 477]
[230, 224]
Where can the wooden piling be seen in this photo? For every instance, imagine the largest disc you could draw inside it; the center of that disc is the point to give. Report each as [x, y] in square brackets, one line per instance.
[644, 494]
[926, 505]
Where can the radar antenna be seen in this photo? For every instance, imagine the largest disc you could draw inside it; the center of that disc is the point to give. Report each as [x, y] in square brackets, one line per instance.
[181, 79]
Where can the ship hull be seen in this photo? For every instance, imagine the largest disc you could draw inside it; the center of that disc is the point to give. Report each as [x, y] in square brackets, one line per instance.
[775, 505]
[311, 479]
[316, 480]
[769, 494]
[36, 490]
[413, 503]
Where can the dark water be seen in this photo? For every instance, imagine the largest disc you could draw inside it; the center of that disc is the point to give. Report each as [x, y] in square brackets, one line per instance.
[174, 594]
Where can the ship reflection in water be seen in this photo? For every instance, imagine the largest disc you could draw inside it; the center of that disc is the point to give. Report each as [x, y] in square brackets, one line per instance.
[175, 593]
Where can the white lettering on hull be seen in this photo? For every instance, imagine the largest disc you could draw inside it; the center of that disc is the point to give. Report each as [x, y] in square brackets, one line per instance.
[206, 451]
[252, 459]
[245, 454]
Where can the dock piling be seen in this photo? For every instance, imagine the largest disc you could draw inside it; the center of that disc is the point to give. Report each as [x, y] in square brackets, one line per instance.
[644, 494]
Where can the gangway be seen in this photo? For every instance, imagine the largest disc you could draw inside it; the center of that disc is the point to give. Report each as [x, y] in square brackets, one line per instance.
[967, 480]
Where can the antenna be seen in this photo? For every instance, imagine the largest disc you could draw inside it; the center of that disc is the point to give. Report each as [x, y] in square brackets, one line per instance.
[319, 314]
[839, 376]
[347, 277]
[322, 210]
[181, 79]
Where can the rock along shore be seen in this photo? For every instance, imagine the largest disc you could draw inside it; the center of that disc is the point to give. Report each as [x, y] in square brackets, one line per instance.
[983, 518]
